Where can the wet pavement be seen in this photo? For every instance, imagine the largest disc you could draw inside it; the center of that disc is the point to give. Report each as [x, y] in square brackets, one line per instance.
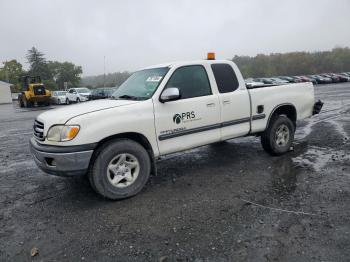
[229, 201]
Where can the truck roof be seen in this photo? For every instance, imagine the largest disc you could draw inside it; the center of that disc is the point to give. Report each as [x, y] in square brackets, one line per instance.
[191, 62]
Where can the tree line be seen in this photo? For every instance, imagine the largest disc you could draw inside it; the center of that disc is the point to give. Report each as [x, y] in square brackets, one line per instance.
[53, 73]
[108, 80]
[294, 63]
[261, 65]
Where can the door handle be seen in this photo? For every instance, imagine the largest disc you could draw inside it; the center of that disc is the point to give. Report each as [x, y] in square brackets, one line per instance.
[210, 104]
[226, 102]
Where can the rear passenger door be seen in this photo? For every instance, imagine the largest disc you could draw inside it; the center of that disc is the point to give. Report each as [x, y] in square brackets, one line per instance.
[194, 119]
[234, 102]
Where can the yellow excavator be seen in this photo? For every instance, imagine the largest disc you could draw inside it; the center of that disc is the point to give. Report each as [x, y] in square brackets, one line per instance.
[34, 92]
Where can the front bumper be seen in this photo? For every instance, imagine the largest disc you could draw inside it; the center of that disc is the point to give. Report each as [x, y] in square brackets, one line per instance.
[84, 98]
[39, 99]
[62, 160]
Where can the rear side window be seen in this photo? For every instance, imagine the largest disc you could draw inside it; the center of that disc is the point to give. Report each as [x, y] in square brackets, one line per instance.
[225, 78]
[192, 81]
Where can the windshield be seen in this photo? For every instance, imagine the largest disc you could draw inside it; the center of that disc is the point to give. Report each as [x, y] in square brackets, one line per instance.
[82, 90]
[61, 93]
[141, 85]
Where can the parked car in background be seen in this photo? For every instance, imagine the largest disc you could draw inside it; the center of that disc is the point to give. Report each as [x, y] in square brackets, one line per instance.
[335, 79]
[321, 79]
[342, 78]
[101, 93]
[344, 74]
[297, 79]
[307, 79]
[301, 79]
[58, 97]
[250, 82]
[289, 79]
[77, 95]
[279, 81]
[266, 81]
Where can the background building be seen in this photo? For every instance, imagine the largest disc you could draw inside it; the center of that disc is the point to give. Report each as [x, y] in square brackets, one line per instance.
[5, 93]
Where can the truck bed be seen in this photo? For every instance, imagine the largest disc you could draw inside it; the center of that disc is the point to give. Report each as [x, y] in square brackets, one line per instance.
[300, 95]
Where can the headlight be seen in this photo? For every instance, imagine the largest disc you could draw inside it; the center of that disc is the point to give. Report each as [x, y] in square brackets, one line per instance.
[61, 133]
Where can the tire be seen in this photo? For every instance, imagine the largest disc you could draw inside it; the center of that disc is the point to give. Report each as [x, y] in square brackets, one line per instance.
[67, 101]
[78, 100]
[25, 102]
[280, 144]
[128, 180]
[58, 101]
[20, 101]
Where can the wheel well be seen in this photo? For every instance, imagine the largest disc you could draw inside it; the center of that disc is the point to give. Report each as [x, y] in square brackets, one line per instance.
[137, 137]
[288, 110]
[141, 139]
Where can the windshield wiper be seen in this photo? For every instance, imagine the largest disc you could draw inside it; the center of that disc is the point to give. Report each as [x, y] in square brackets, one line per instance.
[129, 97]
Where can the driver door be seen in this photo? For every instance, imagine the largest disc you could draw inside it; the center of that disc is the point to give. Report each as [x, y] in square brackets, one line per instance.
[192, 120]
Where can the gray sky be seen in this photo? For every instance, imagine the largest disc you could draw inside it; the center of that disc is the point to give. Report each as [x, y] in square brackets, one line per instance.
[133, 34]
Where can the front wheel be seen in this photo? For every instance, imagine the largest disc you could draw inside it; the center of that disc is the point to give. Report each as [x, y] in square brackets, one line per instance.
[67, 101]
[20, 101]
[120, 170]
[279, 135]
[78, 100]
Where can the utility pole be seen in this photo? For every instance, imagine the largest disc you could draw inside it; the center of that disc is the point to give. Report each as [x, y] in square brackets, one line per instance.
[104, 71]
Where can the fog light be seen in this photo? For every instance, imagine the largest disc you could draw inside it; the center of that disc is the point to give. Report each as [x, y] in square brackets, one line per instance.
[50, 161]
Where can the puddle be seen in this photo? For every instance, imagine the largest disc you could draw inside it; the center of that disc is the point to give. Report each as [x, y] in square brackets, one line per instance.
[317, 158]
[284, 176]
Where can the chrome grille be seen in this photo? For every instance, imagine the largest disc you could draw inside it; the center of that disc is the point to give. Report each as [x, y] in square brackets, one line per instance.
[38, 130]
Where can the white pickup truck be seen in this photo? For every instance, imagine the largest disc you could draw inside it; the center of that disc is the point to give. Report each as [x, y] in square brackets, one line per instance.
[161, 110]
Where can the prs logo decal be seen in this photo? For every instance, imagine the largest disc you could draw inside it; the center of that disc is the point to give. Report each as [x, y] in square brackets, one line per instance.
[177, 119]
[184, 117]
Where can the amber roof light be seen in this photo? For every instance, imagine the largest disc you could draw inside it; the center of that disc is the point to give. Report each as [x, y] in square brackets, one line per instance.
[211, 56]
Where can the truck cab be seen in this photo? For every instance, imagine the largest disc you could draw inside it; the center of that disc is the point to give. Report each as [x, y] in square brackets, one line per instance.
[160, 110]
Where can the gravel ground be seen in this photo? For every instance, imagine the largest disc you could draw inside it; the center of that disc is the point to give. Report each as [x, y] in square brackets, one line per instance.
[224, 202]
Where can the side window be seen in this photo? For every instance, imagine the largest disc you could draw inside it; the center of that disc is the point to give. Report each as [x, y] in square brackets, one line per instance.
[192, 81]
[225, 77]
[71, 91]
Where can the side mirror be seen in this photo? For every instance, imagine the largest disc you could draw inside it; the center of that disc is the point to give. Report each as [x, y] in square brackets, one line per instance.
[170, 94]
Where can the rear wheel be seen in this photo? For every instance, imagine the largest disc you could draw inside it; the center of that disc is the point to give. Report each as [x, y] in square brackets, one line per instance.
[278, 137]
[67, 101]
[59, 101]
[120, 169]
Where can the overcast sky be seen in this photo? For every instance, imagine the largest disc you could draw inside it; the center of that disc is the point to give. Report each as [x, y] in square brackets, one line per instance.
[133, 34]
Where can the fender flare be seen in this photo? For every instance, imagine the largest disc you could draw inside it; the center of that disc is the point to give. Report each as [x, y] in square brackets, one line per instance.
[278, 106]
